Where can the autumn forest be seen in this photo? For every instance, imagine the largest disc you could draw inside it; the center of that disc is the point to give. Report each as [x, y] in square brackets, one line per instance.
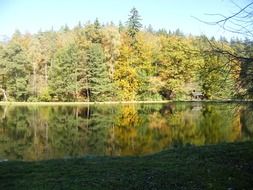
[125, 61]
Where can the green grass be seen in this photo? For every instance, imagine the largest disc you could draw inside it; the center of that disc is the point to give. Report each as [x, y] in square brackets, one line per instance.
[80, 103]
[225, 166]
[116, 102]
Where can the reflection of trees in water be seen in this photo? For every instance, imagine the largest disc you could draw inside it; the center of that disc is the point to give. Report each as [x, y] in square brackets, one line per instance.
[15, 137]
[124, 132]
[220, 123]
[3, 111]
[183, 124]
[205, 124]
[53, 132]
[132, 133]
[246, 118]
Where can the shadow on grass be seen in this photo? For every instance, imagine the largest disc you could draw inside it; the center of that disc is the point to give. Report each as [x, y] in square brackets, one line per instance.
[225, 166]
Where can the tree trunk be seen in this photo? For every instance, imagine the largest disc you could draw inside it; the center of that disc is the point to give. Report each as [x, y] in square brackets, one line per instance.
[46, 125]
[4, 93]
[34, 80]
[46, 75]
[87, 89]
[5, 112]
[88, 116]
[76, 85]
[111, 71]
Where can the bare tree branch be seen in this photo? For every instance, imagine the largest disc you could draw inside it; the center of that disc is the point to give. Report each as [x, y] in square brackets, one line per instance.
[234, 15]
[240, 22]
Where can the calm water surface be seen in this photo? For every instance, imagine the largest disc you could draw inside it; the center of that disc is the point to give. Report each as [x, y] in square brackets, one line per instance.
[49, 132]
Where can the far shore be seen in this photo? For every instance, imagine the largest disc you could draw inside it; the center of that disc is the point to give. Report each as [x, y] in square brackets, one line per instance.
[121, 102]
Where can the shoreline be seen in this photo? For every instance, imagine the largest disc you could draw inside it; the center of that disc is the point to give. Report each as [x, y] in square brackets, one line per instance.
[2, 103]
[84, 103]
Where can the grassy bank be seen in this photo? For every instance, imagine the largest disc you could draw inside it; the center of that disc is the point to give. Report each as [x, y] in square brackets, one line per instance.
[81, 103]
[226, 166]
[120, 102]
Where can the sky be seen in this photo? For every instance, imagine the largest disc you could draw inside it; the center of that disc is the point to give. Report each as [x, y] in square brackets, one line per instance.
[34, 15]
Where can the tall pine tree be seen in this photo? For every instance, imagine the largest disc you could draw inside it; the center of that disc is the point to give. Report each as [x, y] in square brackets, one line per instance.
[133, 25]
[63, 83]
[98, 81]
[15, 70]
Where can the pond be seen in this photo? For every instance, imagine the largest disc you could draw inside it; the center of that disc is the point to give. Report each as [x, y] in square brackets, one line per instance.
[51, 132]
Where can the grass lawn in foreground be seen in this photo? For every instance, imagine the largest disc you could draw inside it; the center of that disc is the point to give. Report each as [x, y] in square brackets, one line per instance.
[225, 166]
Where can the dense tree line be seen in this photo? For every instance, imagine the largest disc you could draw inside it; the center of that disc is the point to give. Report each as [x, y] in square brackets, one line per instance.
[95, 62]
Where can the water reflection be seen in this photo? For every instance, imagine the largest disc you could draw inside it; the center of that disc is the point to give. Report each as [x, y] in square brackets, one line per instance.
[46, 132]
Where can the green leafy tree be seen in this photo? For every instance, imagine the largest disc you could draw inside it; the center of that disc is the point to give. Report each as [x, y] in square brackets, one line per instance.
[97, 74]
[96, 62]
[93, 32]
[246, 71]
[217, 74]
[133, 24]
[143, 62]
[111, 46]
[15, 71]
[126, 76]
[176, 66]
[81, 70]
[63, 81]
